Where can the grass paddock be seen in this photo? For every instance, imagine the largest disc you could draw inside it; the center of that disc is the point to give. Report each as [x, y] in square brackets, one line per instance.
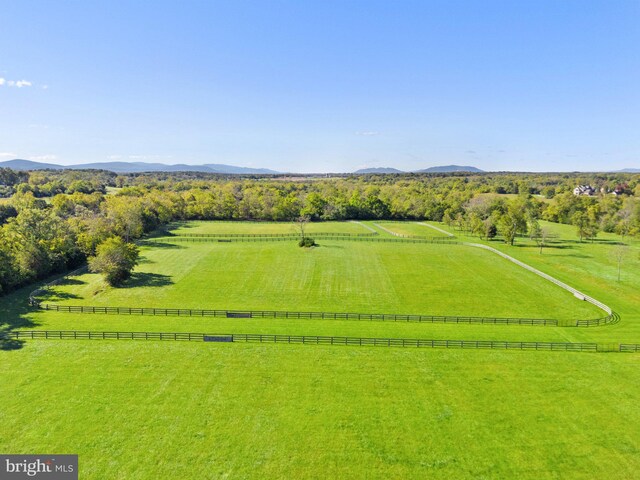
[147, 410]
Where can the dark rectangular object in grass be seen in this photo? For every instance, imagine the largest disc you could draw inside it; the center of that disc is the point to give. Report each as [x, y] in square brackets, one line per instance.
[238, 314]
[218, 338]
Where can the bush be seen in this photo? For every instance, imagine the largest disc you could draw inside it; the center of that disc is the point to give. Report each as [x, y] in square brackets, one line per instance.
[307, 242]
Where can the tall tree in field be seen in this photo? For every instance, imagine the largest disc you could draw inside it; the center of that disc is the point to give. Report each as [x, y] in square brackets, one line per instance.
[514, 220]
[540, 235]
[581, 221]
[620, 253]
[115, 259]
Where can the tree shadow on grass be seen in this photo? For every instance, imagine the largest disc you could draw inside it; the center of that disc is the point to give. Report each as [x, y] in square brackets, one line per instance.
[553, 249]
[71, 281]
[182, 224]
[9, 343]
[142, 260]
[56, 296]
[14, 310]
[158, 244]
[143, 279]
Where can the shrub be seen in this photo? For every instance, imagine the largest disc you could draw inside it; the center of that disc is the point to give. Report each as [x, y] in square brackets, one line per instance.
[307, 242]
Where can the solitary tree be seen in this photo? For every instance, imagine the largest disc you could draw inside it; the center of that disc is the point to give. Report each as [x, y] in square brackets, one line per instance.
[540, 235]
[619, 254]
[301, 226]
[581, 222]
[115, 259]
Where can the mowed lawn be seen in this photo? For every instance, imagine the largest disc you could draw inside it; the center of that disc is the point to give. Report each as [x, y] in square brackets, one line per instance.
[335, 277]
[211, 227]
[192, 410]
[592, 267]
[411, 229]
[149, 410]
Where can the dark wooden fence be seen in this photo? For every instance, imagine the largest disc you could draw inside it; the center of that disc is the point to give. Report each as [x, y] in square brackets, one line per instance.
[597, 322]
[179, 312]
[271, 235]
[629, 347]
[385, 317]
[180, 238]
[305, 339]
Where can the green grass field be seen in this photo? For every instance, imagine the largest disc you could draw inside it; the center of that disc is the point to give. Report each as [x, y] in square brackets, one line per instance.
[146, 410]
[266, 227]
[336, 277]
[191, 411]
[411, 229]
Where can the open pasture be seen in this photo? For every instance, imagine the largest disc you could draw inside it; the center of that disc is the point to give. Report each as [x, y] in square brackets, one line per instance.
[365, 277]
[152, 410]
[411, 229]
[144, 410]
[214, 227]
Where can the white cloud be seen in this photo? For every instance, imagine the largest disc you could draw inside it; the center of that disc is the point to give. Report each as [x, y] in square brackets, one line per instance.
[15, 83]
[368, 134]
[7, 154]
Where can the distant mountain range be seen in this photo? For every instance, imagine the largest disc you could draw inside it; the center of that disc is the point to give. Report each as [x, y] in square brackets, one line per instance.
[139, 167]
[136, 167]
[450, 168]
[440, 169]
[378, 170]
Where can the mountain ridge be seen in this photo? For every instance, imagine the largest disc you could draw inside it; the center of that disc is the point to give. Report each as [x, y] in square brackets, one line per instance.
[136, 167]
[378, 170]
[450, 168]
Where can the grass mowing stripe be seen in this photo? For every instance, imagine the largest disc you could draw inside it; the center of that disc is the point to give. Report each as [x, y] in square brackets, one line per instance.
[376, 278]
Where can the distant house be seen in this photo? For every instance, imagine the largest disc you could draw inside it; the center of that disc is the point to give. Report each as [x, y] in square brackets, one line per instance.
[584, 190]
[621, 189]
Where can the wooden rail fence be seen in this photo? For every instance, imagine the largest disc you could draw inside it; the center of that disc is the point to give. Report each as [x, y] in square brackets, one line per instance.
[308, 339]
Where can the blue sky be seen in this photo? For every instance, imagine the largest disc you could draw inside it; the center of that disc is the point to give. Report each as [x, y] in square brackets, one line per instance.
[323, 86]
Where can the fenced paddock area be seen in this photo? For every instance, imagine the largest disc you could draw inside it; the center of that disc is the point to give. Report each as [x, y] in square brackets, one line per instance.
[181, 272]
[239, 385]
[396, 276]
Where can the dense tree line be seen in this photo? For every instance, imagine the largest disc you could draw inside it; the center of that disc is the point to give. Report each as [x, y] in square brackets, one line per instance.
[57, 219]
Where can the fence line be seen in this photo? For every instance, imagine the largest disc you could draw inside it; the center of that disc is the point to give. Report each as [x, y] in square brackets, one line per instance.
[395, 234]
[271, 235]
[611, 316]
[438, 240]
[448, 234]
[364, 225]
[401, 235]
[280, 314]
[629, 347]
[304, 339]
